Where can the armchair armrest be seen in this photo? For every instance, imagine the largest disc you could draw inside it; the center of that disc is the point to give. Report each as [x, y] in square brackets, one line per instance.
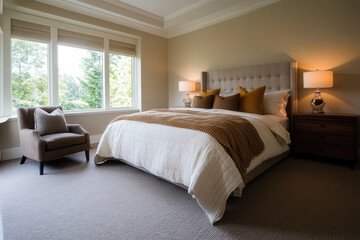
[32, 145]
[78, 129]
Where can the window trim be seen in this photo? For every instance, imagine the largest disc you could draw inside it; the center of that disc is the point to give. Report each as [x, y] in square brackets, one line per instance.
[55, 22]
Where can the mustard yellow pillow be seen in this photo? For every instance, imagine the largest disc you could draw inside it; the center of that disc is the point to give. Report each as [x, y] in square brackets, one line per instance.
[252, 102]
[242, 91]
[205, 93]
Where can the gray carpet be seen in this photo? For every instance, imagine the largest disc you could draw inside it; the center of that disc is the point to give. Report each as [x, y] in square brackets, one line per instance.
[296, 199]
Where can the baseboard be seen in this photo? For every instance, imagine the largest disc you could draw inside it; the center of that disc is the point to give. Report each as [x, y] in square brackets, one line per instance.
[11, 153]
[95, 139]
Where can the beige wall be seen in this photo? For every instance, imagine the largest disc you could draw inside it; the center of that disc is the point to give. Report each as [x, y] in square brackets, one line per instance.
[320, 34]
[154, 74]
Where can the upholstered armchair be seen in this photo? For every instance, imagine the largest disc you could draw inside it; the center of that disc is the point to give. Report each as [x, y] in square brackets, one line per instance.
[43, 147]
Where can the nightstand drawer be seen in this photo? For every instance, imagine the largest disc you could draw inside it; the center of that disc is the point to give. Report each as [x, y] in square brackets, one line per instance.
[345, 153]
[324, 127]
[323, 139]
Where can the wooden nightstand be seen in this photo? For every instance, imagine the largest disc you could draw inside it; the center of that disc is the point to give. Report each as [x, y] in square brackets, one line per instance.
[326, 135]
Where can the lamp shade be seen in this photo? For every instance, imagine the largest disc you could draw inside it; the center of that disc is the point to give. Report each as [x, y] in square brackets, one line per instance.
[318, 79]
[186, 86]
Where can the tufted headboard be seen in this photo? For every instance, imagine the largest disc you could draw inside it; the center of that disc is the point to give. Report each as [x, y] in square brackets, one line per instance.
[275, 76]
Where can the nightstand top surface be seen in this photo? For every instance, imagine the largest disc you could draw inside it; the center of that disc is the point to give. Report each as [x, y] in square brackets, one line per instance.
[326, 114]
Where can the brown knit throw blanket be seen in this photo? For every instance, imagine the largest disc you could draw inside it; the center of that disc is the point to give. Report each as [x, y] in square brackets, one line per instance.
[236, 134]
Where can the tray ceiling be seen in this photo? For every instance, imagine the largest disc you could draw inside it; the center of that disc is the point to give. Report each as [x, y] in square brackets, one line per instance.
[166, 18]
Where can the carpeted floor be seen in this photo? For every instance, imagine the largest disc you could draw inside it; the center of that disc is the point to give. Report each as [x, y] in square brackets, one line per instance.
[296, 199]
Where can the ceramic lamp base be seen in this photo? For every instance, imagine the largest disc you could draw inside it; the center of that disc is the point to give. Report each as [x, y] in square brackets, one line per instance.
[317, 103]
[187, 101]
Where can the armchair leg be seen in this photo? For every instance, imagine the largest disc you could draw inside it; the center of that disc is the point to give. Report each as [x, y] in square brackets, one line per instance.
[23, 159]
[41, 168]
[87, 155]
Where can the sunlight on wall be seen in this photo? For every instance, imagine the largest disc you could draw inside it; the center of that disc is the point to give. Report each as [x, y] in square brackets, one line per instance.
[310, 61]
[324, 61]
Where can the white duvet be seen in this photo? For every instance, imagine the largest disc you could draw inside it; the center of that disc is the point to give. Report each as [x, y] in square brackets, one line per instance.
[188, 157]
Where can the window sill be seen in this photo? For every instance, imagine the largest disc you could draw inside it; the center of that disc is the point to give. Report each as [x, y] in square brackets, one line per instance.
[101, 111]
[4, 119]
[86, 113]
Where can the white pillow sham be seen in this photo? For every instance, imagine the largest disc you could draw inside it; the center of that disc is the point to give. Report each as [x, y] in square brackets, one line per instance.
[275, 103]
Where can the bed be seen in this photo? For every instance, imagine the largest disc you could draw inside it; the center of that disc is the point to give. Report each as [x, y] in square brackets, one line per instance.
[194, 159]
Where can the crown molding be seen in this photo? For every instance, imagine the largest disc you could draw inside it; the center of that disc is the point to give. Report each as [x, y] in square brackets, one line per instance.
[117, 9]
[134, 9]
[217, 17]
[194, 17]
[193, 7]
[101, 14]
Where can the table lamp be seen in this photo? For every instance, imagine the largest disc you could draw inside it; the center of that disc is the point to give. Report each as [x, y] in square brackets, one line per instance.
[187, 86]
[318, 79]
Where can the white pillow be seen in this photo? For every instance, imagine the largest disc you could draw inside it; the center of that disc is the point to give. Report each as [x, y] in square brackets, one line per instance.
[275, 103]
[227, 94]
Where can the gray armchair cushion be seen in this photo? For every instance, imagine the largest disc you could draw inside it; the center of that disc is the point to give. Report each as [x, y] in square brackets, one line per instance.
[61, 140]
[49, 123]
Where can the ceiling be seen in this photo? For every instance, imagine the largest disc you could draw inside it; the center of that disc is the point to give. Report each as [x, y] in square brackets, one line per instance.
[162, 8]
[166, 18]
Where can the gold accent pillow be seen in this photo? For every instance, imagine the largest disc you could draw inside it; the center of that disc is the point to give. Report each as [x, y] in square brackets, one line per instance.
[228, 103]
[205, 93]
[252, 102]
[242, 91]
[203, 102]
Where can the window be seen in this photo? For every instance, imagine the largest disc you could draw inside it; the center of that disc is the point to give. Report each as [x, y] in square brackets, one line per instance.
[29, 74]
[77, 68]
[80, 78]
[121, 73]
[120, 81]
[29, 64]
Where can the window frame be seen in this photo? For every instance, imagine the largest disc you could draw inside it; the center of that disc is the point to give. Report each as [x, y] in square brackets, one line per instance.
[56, 23]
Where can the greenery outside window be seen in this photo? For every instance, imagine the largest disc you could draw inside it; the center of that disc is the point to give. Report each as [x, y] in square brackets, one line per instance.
[80, 78]
[29, 74]
[120, 81]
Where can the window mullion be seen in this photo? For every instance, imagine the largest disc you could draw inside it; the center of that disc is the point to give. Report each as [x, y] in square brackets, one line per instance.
[106, 75]
[6, 96]
[137, 82]
[1, 73]
[133, 83]
[53, 69]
